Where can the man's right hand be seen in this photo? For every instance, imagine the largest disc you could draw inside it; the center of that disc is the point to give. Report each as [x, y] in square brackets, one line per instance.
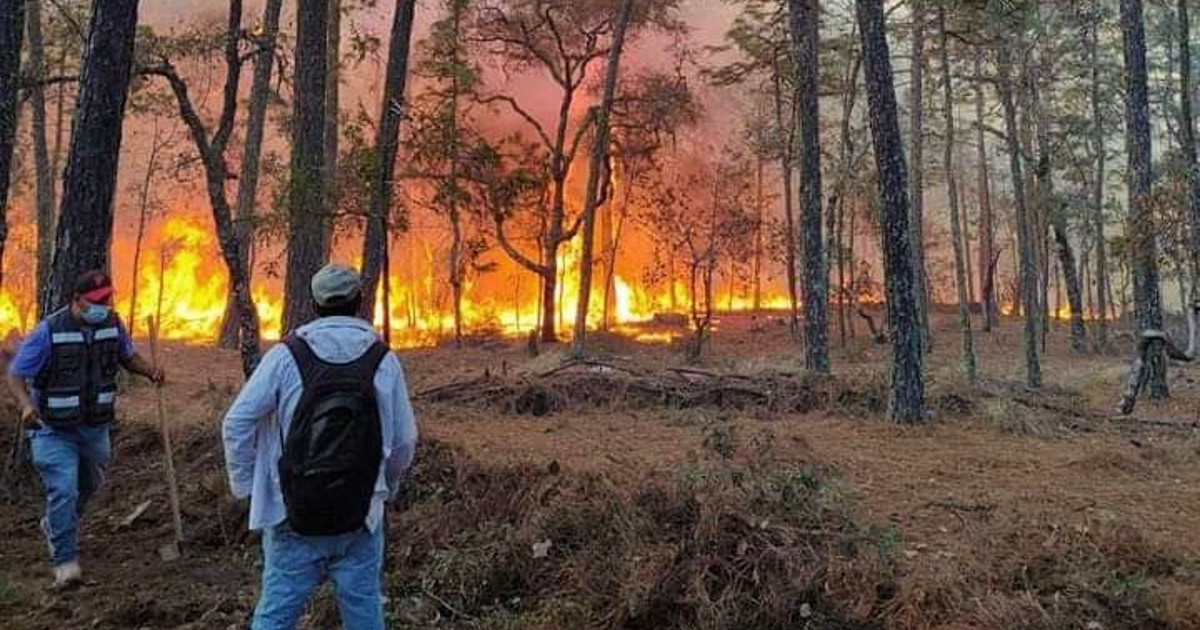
[29, 418]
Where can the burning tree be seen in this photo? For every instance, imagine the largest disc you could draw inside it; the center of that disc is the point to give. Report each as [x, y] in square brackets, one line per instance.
[703, 210]
[564, 40]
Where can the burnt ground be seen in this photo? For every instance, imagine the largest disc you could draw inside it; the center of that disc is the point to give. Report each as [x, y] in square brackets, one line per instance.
[641, 491]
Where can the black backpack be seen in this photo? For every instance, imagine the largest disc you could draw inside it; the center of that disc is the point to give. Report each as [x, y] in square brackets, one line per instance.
[334, 446]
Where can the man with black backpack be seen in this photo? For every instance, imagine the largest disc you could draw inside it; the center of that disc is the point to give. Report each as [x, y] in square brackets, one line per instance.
[318, 439]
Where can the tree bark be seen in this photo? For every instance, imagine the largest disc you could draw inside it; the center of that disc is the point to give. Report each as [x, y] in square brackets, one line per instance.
[43, 173]
[256, 119]
[987, 234]
[960, 267]
[211, 150]
[1144, 248]
[805, 30]
[1103, 295]
[387, 139]
[307, 196]
[12, 31]
[907, 404]
[333, 66]
[1054, 212]
[916, 103]
[1025, 246]
[1188, 138]
[84, 230]
[596, 171]
[789, 215]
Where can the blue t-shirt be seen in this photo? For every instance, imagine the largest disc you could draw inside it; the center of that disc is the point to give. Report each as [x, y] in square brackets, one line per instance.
[35, 352]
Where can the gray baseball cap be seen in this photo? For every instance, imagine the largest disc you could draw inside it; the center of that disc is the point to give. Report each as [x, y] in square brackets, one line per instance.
[335, 283]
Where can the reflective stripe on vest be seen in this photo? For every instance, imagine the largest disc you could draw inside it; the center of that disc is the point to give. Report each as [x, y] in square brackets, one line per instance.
[106, 398]
[67, 337]
[105, 333]
[62, 402]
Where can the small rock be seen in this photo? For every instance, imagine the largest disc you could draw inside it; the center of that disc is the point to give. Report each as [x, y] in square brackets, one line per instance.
[541, 549]
[805, 611]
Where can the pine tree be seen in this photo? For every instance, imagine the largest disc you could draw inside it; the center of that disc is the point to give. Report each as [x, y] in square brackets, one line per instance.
[307, 194]
[12, 29]
[907, 404]
[805, 29]
[86, 220]
[1147, 300]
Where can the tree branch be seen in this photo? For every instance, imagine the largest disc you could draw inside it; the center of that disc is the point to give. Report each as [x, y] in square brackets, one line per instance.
[520, 111]
[512, 251]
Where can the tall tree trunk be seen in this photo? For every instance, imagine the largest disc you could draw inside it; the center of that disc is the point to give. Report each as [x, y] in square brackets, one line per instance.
[1103, 295]
[916, 102]
[1188, 125]
[960, 267]
[333, 73]
[85, 227]
[387, 143]
[256, 119]
[1025, 246]
[212, 155]
[43, 175]
[987, 233]
[456, 244]
[596, 174]
[907, 402]
[12, 31]
[1144, 248]
[759, 226]
[307, 195]
[1055, 214]
[789, 215]
[805, 28]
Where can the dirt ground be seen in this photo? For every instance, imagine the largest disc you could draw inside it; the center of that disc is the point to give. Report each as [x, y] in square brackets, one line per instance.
[1010, 509]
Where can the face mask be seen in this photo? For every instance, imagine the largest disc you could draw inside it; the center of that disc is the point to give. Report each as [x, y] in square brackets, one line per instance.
[95, 313]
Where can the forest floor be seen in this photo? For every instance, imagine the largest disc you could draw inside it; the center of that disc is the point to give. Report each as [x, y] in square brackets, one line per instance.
[644, 491]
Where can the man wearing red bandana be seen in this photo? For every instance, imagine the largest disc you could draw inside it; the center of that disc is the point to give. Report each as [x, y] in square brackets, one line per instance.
[64, 380]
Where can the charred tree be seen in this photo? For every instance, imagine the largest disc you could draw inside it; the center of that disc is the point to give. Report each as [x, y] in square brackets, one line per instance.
[307, 210]
[916, 104]
[987, 238]
[12, 31]
[1025, 231]
[805, 29]
[211, 149]
[85, 226]
[256, 123]
[597, 173]
[1103, 296]
[1147, 300]
[907, 404]
[387, 142]
[960, 267]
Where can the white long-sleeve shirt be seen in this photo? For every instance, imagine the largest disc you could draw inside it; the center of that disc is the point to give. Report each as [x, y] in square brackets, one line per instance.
[263, 412]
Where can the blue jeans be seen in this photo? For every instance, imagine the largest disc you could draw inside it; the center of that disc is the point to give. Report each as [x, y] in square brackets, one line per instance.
[294, 566]
[71, 463]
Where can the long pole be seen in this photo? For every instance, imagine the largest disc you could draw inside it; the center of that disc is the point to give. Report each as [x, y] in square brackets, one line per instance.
[172, 479]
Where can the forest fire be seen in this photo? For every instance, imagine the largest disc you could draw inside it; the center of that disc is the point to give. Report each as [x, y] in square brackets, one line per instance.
[179, 263]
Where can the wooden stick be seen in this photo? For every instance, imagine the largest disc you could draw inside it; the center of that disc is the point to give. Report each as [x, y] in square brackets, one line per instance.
[172, 479]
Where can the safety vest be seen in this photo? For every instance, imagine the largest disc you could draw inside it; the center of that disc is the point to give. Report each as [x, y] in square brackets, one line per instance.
[78, 384]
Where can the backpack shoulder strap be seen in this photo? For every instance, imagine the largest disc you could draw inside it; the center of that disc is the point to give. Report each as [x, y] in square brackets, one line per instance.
[368, 364]
[306, 360]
